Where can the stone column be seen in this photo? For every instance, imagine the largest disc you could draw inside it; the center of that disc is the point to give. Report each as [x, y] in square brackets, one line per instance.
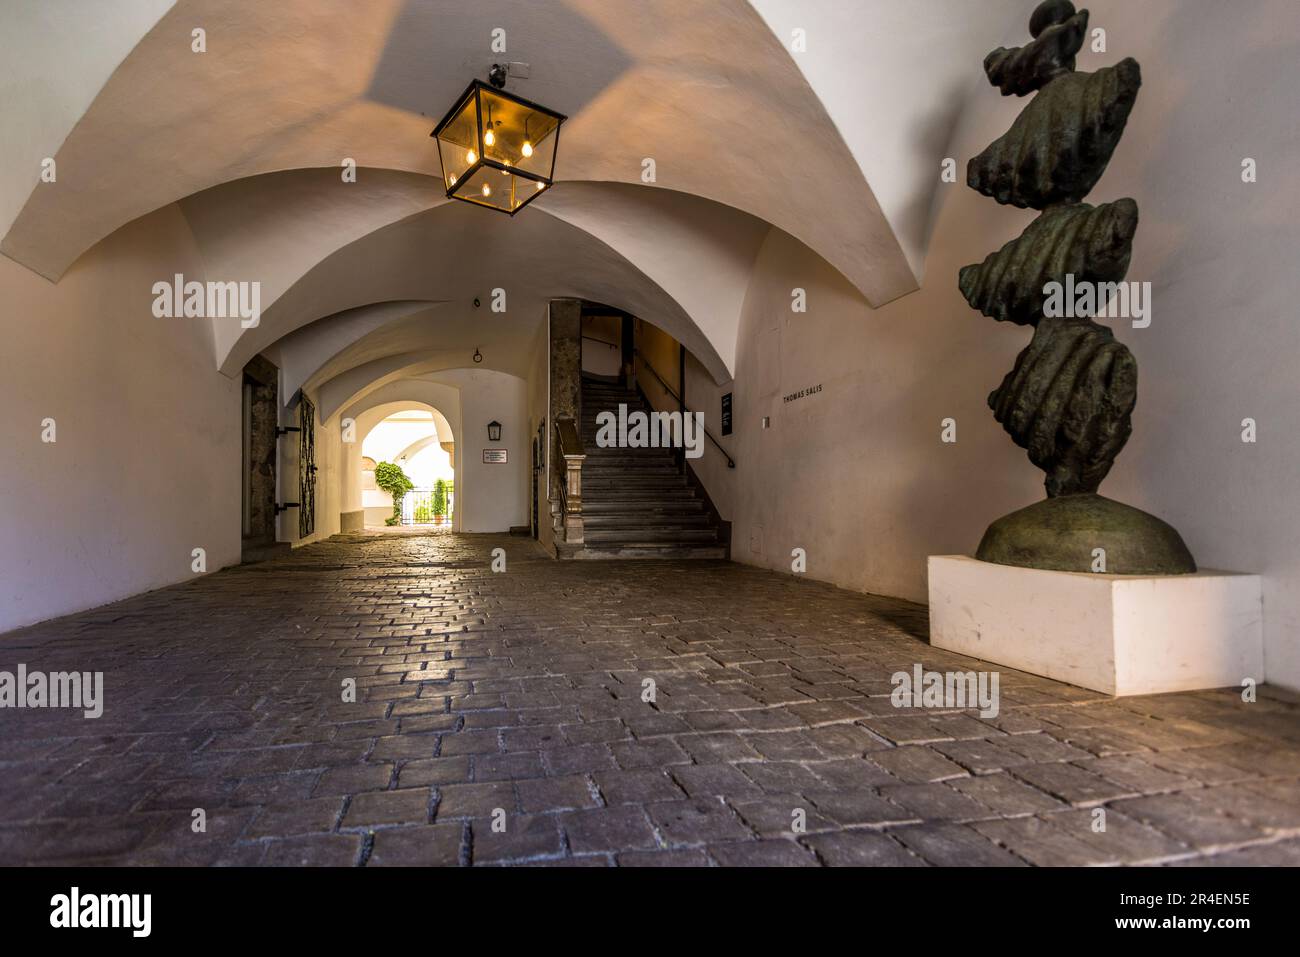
[566, 386]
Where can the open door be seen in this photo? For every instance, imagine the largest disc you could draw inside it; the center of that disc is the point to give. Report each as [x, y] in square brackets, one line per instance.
[306, 468]
[259, 412]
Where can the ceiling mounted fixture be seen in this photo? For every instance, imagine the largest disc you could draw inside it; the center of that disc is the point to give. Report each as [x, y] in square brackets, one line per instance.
[497, 150]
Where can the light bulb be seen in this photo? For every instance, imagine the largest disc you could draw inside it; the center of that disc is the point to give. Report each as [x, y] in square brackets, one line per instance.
[528, 148]
[541, 185]
[487, 190]
[453, 180]
[471, 157]
[489, 137]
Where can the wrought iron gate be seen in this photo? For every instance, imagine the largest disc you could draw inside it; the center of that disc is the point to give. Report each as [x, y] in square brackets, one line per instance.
[306, 468]
[418, 506]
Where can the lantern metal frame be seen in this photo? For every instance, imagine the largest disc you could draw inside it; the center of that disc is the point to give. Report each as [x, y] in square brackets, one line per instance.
[494, 425]
[475, 90]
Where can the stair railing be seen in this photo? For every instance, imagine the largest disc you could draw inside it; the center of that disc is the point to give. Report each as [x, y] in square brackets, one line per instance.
[569, 523]
[731, 464]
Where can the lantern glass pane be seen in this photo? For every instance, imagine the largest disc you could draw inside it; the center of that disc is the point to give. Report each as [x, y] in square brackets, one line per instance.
[458, 144]
[522, 137]
[503, 191]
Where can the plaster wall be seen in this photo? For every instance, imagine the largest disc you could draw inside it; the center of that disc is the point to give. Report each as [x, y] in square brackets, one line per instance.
[491, 497]
[703, 395]
[146, 463]
[853, 469]
[57, 57]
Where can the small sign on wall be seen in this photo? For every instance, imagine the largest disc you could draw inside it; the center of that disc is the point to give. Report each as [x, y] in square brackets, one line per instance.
[726, 414]
[494, 456]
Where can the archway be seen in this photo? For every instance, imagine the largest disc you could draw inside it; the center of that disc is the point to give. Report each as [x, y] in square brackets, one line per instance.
[418, 439]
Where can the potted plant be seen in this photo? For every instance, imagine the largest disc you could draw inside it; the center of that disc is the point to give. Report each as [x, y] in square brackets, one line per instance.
[439, 500]
[393, 480]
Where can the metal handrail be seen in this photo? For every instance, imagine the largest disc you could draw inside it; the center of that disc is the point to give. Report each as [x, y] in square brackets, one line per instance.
[559, 469]
[570, 437]
[731, 463]
[569, 444]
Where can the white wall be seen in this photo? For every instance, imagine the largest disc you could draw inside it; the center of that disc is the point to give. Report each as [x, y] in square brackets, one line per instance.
[892, 75]
[857, 474]
[57, 57]
[491, 498]
[146, 466]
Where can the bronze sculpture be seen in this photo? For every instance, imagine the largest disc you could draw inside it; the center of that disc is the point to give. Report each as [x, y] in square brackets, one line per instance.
[1069, 399]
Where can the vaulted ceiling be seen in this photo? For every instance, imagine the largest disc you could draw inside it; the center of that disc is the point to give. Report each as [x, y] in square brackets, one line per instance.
[372, 280]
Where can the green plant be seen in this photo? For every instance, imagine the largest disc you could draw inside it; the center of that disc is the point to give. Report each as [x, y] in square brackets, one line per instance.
[440, 498]
[421, 515]
[393, 480]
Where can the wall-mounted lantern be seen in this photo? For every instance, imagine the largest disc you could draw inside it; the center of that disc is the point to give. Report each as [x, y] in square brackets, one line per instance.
[497, 150]
[494, 431]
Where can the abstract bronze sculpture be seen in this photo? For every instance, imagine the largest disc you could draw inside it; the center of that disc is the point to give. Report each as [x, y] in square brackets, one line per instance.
[1069, 399]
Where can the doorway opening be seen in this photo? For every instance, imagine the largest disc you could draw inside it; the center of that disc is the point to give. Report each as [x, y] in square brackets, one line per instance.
[408, 472]
[259, 413]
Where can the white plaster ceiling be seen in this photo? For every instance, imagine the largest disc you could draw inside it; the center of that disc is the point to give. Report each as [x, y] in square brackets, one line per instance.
[440, 399]
[248, 139]
[441, 434]
[307, 351]
[56, 58]
[455, 253]
[703, 89]
[893, 76]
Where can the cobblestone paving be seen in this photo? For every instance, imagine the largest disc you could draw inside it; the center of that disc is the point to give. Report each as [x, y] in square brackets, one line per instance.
[517, 697]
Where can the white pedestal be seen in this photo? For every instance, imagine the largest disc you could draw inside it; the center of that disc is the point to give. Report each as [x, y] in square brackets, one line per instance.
[1118, 634]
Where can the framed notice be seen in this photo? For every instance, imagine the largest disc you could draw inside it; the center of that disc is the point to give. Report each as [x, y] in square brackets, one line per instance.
[726, 414]
[494, 456]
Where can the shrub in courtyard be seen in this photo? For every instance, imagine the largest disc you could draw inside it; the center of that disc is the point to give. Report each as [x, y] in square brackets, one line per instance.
[439, 500]
[393, 480]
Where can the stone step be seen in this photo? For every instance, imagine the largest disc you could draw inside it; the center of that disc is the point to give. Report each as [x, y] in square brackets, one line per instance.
[636, 479]
[637, 503]
[606, 552]
[598, 471]
[663, 521]
[642, 503]
[632, 481]
[634, 455]
[629, 458]
[650, 536]
[632, 478]
[660, 504]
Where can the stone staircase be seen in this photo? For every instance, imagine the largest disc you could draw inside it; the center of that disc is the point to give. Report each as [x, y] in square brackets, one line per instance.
[635, 502]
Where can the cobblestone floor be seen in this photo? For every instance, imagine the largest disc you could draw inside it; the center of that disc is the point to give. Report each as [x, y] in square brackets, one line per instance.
[522, 691]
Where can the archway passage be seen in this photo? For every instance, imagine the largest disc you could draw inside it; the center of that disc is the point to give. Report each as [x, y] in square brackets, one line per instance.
[738, 228]
[408, 472]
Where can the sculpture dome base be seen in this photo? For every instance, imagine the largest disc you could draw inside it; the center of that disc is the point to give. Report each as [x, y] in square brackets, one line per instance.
[1061, 534]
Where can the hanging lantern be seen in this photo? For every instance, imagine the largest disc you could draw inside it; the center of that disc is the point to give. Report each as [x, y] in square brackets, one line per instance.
[497, 150]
